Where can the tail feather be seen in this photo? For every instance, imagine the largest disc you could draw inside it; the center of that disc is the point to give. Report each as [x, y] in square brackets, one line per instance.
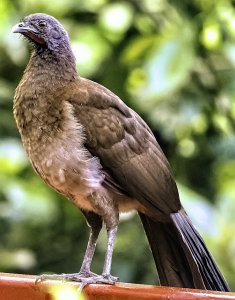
[174, 267]
[211, 275]
[180, 255]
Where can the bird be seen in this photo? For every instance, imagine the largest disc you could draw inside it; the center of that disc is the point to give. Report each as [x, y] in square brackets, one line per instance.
[88, 145]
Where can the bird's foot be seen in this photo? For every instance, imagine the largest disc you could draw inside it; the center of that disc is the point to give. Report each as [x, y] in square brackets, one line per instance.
[84, 277]
[66, 277]
[106, 278]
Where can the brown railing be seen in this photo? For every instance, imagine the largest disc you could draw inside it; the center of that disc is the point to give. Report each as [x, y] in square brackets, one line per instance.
[23, 287]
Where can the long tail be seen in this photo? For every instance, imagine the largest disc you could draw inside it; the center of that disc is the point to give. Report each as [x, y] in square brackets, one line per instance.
[180, 255]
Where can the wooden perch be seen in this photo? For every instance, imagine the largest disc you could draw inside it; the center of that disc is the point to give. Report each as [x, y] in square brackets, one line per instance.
[23, 287]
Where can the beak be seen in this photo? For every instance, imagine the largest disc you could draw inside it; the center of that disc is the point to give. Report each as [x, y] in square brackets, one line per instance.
[23, 28]
[29, 32]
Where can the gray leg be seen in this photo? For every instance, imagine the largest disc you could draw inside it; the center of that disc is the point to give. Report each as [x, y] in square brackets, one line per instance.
[109, 252]
[108, 213]
[95, 222]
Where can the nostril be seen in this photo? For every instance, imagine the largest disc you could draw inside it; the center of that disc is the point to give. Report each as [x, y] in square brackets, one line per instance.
[21, 25]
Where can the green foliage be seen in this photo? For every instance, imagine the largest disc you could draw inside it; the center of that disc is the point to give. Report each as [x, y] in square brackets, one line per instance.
[173, 62]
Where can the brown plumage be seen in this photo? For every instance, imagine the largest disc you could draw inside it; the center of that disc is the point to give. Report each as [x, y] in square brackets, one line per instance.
[89, 146]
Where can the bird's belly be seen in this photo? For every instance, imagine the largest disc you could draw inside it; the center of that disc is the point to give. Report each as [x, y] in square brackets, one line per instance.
[67, 172]
[70, 185]
[82, 202]
[126, 204]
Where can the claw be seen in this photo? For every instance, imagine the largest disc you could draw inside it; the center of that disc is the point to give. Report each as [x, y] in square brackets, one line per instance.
[81, 287]
[84, 278]
[110, 279]
[51, 277]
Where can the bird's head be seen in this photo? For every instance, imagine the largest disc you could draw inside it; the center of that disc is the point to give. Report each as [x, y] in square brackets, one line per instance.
[44, 31]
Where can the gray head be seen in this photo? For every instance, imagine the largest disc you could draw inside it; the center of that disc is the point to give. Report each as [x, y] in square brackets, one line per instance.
[44, 31]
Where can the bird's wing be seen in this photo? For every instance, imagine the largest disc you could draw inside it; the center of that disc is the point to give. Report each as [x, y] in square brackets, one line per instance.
[127, 149]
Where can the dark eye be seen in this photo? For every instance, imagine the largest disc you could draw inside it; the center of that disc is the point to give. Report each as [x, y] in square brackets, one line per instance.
[42, 24]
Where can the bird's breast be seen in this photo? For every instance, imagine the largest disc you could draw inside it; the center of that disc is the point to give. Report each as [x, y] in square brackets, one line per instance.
[68, 170]
[54, 142]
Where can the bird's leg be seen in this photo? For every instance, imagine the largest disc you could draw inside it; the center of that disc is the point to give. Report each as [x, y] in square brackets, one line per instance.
[108, 212]
[109, 254]
[111, 219]
[85, 276]
[95, 222]
[86, 264]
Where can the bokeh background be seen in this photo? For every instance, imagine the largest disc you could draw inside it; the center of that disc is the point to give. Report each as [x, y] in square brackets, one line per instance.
[173, 62]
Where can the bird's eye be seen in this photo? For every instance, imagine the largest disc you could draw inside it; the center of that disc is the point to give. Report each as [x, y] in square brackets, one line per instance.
[42, 24]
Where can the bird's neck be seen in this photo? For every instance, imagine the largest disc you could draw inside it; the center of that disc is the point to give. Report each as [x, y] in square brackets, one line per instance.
[59, 66]
[38, 96]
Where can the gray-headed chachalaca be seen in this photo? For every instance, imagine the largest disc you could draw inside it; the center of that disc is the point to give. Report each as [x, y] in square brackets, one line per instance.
[89, 146]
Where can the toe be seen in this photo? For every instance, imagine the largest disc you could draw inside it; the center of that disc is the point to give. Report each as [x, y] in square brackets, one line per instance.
[110, 278]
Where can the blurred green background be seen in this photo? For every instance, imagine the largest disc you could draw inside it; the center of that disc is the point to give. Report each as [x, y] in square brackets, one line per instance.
[173, 62]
